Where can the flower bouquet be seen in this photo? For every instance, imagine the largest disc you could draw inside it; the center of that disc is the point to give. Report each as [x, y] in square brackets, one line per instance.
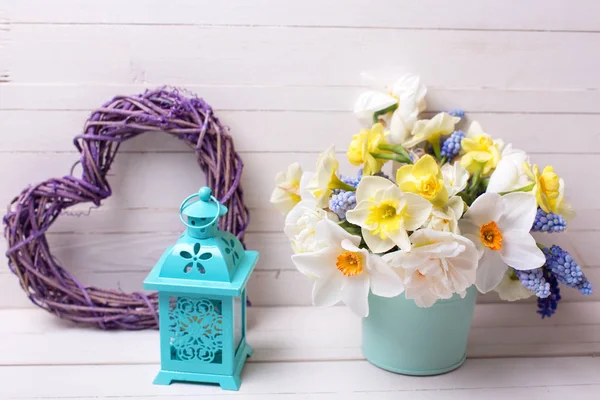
[406, 252]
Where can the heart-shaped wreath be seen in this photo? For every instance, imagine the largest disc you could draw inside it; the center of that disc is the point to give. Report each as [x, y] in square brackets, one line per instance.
[47, 283]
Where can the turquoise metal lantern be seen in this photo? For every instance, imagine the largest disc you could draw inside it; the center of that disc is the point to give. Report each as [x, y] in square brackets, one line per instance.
[201, 282]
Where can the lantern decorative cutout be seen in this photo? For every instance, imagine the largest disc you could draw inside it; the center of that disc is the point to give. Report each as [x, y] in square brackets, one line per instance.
[201, 281]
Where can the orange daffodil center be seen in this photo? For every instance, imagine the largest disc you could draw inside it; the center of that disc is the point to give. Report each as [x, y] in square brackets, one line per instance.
[349, 263]
[500, 228]
[344, 272]
[490, 236]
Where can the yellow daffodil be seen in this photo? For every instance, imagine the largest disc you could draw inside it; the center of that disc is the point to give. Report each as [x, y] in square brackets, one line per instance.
[385, 214]
[548, 188]
[425, 179]
[431, 130]
[320, 185]
[287, 188]
[481, 152]
[363, 145]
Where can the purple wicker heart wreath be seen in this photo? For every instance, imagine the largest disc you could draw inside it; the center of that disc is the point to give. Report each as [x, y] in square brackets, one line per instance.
[29, 216]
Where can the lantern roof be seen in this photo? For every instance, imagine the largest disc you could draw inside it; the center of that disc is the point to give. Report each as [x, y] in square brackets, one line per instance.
[204, 260]
[238, 282]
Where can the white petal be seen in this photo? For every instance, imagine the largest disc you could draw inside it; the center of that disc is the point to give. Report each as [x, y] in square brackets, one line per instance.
[457, 205]
[328, 291]
[384, 281]
[504, 178]
[355, 294]
[318, 264]
[486, 208]
[369, 102]
[475, 129]
[359, 214]
[398, 129]
[370, 185]
[519, 212]
[512, 290]
[417, 211]
[520, 251]
[400, 238]
[375, 243]
[490, 272]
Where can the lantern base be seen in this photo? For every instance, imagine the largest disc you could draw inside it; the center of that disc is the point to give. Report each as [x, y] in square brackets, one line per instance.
[227, 382]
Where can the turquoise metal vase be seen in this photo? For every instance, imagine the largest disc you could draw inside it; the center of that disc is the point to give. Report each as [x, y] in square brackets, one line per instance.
[401, 337]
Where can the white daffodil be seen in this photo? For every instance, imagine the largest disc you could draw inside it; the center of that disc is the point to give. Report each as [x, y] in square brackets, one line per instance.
[510, 289]
[320, 184]
[300, 225]
[499, 226]
[455, 178]
[445, 219]
[510, 173]
[287, 188]
[438, 265]
[344, 272]
[385, 213]
[407, 95]
[431, 130]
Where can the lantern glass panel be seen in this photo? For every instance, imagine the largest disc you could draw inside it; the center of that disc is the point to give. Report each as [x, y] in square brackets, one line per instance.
[196, 328]
[239, 324]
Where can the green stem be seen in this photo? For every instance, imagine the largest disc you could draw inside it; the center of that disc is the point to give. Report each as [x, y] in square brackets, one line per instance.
[395, 148]
[436, 149]
[475, 181]
[525, 188]
[393, 157]
[337, 183]
[376, 114]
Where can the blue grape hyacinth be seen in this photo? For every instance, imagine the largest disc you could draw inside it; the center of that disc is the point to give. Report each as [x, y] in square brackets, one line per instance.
[564, 267]
[534, 280]
[548, 222]
[457, 112]
[341, 201]
[451, 146]
[547, 306]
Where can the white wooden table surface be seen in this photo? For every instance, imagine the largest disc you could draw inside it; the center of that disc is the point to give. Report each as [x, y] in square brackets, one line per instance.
[300, 352]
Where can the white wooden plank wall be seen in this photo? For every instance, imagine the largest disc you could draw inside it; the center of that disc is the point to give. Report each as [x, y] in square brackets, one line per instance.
[283, 75]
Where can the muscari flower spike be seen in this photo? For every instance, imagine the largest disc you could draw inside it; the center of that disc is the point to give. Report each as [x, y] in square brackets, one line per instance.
[451, 146]
[457, 112]
[547, 306]
[548, 222]
[341, 200]
[566, 270]
[534, 280]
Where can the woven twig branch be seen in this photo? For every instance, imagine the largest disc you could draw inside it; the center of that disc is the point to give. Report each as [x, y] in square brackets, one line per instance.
[29, 216]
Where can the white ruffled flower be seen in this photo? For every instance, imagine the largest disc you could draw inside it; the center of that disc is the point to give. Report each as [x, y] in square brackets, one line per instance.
[510, 173]
[287, 188]
[385, 213]
[499, 226]
[455, 178]
[300, 225]
[408, 93]
[512, 290]
[438, 265]
[344, 272]
[445, 219]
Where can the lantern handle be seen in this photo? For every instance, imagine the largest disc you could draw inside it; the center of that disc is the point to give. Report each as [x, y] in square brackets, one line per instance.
[183, 206]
